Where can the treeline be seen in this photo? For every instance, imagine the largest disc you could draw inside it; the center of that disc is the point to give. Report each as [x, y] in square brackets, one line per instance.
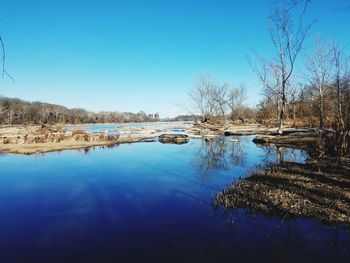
[323, 106]
[16, 111]
[191, 117]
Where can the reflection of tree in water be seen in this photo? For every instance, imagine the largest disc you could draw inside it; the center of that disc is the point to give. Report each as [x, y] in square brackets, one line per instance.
[237, 154]
[218, 155]
[276, 154]
[87, 150]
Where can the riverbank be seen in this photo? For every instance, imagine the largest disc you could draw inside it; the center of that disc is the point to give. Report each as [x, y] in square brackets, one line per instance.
[317, 189]
[71, 144]
[31, 139]
[300, 139]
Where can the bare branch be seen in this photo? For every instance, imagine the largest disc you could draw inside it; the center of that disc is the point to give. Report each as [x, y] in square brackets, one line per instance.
[3, 61]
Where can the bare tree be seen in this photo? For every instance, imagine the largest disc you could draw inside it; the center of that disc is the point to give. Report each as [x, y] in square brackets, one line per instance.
[340, 64]
[218, 95]
[201, 95]
[235, 101]
[293, 95]
[287, 40]
[287, 33]
[269, 77]
[319, 75]
[209, 97]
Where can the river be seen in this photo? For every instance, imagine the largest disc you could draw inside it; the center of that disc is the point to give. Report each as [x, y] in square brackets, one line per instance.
[150, 202]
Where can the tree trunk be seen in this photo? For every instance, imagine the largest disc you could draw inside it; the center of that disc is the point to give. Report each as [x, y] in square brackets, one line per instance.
[283, 107]
[294, 113]
[339, 106]
[321, 105]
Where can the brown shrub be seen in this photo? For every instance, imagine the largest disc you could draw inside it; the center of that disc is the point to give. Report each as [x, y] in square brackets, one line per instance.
[86, 137]
[60, 137]
[78, 131]
[82, 137]
[112, 137]
[39, 139]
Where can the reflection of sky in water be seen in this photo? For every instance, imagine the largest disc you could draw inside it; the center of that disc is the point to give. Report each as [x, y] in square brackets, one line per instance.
[147, 201]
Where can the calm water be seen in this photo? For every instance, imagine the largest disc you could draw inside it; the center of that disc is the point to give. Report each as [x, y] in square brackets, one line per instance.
[149, 202]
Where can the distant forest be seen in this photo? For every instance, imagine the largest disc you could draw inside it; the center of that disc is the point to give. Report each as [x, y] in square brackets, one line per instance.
[16, 111]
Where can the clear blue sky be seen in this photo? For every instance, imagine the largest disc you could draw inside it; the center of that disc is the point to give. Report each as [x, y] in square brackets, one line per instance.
[129, 55]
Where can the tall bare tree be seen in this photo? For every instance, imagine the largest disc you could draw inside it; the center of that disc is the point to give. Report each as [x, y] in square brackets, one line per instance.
[319, 74]
[288, 40]
[340, 64]
[287, 32]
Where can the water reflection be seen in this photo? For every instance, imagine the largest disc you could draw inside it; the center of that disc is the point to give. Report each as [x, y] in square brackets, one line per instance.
[279, 155]
[226, 153]
[219, 154]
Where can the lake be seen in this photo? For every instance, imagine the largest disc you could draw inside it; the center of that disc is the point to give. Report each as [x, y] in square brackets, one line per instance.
[150, 202]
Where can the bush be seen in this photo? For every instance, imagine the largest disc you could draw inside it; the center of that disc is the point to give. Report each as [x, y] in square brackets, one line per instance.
[39, 139]
[86, 137]
[60, 137]
[78, 131]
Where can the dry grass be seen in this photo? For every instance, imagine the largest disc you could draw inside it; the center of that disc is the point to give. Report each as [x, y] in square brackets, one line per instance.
[46, 138]
[78, 131]
[319, 190]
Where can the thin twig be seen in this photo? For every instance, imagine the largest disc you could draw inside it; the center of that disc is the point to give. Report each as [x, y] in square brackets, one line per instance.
[3, 59]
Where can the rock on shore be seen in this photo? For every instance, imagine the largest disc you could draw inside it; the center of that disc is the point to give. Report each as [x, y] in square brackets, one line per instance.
[174, 138]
